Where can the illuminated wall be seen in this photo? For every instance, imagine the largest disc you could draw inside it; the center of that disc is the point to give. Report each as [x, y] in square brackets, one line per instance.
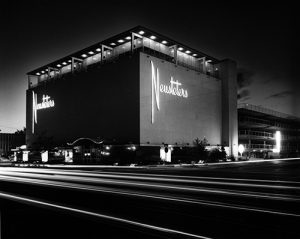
[101, 102]
[179, 119]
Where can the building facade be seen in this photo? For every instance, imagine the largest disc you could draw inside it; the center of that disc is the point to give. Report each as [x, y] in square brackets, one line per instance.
[8, 141]
[138, 87]
[266, 133]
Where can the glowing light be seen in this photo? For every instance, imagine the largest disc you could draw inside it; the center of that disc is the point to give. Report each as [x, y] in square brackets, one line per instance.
[208, 61]
[98, 49]
[187, 52]
[128, 38]
[58, 65]
[155, 90]
[278, 142]
[105, 153]
[241, 149]
[84, 55]
[46, 103]
[153, 37]
[194, 54]
[64, 63]
[172, 89]
[164, 42]
[112, 44]
[43, 72]
[69, 61]
[180, 48]
[121, 41]
[91, 52]
[141, 32]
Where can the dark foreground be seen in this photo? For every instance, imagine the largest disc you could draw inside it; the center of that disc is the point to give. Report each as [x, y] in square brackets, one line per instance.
[249, 200]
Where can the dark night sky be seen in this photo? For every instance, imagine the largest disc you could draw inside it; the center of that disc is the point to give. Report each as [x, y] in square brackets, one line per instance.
[261, 38]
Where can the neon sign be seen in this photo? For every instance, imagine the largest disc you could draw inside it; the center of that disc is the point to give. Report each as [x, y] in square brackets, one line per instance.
[172, 89]
[46, 103]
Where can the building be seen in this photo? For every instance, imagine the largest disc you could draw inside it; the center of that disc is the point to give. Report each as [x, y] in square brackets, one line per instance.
[266, 133]
[8, 141]
[139, 88]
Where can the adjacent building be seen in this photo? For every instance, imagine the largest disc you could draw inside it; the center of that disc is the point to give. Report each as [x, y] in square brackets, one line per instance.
[266, 133]
[9, 141]
[139, 88]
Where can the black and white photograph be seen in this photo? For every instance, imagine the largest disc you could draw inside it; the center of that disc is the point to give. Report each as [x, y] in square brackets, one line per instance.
[149, 120]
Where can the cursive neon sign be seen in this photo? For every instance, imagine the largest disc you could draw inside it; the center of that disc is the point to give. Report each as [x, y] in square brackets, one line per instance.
[46, 103]
[173, 89]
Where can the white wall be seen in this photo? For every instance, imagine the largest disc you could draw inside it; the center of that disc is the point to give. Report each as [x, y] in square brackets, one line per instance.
[179, 120]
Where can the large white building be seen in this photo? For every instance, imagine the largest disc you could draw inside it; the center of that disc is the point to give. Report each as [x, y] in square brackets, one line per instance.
[138, 87]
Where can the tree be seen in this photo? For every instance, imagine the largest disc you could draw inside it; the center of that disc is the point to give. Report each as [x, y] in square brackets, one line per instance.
[199, 151]
[21, 132]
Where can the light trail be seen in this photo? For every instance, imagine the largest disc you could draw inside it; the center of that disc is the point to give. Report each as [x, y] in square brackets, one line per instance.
[162, 186]
[136, 194]
[284, 187]
[103, 216]
[148, 176]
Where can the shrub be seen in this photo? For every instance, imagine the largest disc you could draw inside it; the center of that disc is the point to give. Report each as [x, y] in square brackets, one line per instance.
[214, 155]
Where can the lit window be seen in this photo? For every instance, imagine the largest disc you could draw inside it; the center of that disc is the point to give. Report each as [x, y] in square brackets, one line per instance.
[153, 37]
[91, 52]
[112, 44]
[98, 49]
[121, 41]
[128, 38]
[84, 55]
[164, 42]
[141, 32]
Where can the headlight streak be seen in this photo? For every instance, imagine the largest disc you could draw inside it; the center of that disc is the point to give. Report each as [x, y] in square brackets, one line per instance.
[150, 176]
[162, 186]
[137, 194]
[195, 189]
[107, 217]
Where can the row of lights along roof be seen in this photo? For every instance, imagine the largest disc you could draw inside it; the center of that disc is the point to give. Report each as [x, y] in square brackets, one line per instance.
[120, 41]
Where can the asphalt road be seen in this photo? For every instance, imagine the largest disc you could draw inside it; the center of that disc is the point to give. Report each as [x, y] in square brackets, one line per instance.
[241, 200]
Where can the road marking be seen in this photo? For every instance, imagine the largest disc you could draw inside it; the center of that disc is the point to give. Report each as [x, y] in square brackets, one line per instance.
[103, 216]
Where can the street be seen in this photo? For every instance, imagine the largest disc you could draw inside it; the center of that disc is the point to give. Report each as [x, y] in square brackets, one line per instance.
[237, 200]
